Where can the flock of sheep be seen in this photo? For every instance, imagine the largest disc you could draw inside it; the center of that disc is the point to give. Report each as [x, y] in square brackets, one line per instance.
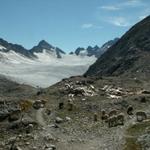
[114, 119]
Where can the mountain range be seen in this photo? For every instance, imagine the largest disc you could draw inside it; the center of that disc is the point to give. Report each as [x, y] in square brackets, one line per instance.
[43, 45]
[44, 64]
[55, 51]
[104, 109]
[129, 56]
[96, 50]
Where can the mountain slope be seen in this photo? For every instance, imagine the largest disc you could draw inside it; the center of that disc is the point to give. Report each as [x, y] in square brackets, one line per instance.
[130, 55]
[40, 48]
[10, 88]
[105, 47]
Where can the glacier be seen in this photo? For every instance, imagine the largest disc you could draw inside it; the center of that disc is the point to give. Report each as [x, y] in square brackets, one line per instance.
[43, 71]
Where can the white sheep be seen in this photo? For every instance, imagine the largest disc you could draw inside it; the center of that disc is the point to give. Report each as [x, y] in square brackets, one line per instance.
[141, 115]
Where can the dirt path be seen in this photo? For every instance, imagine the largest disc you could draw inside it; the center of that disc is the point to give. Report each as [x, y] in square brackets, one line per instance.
[108, 140]
[39, 117]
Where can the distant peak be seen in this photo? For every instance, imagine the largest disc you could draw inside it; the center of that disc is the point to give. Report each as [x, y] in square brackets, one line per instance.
[96, 47]
[89, 47]
[44, 43]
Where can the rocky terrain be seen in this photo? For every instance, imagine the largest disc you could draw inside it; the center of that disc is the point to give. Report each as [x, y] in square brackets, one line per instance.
[67, 116]
[108, 108]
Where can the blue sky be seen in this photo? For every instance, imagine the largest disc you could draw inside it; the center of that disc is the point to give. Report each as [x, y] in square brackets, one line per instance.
[68, 24]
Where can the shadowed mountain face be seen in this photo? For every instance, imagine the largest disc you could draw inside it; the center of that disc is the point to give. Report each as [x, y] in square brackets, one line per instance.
[130, 55]
[6, 47]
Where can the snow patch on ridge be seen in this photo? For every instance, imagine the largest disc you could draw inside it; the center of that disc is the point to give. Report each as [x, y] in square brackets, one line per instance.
[2, 47]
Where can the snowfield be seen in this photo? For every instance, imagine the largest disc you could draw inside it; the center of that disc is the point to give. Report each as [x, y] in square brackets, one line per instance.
[43, 71]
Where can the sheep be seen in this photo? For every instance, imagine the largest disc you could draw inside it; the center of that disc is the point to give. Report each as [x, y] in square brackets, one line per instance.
[141, 115]
[112, 112]
[70, 105]
[120, 119]
[130, 110]
[67, 85]
[14, 116]
[95, 117]
[61, 105]
[71, 95]
[115, 120]
[70, 100]
[48, 111]
[112, 121]
[103, 112]
[104, 116]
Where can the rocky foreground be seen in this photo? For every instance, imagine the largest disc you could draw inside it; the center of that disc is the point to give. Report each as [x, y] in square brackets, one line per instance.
[69, 115]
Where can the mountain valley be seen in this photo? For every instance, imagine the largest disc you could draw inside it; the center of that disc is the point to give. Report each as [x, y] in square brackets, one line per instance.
[103, 107]
[44, 64]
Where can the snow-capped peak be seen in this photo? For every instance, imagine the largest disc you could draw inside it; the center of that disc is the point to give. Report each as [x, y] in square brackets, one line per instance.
[45, 47]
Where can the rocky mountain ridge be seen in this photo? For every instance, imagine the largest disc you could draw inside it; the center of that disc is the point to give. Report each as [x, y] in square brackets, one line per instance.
[45, 46]
[129, 56]
[96, 50]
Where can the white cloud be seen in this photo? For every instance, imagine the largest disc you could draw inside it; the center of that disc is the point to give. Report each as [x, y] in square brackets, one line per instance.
[90, 25]
[144, 14]
[118, 21]
[133, 3]
[110, 8]
[127, 3]
[87, 25]
[118, 14]
[142, 17]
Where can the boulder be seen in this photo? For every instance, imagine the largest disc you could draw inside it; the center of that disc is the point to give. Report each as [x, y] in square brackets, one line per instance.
[67, 118]
[15, 148]
[39, 104]
[14, 116]
[145, 92]
[58, 120]
[3, 115]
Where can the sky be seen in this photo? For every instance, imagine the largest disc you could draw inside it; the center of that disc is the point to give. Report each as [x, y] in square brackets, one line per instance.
[68, 24]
